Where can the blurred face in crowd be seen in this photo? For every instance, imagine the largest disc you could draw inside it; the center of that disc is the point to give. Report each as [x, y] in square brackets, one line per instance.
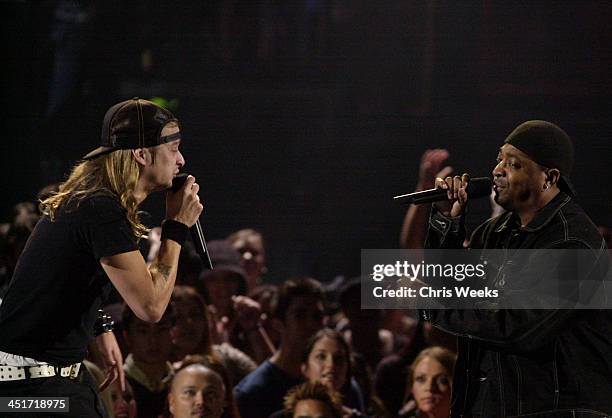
[253, 257]
[197, 391]
[327, 363]
[124, 405]
[190, 327]
[221, 285]
[149, 343]
[431, 388]
[312, 408]
[304, 317]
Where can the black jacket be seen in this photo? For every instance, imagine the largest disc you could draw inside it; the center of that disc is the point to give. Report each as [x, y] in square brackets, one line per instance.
[536, 363]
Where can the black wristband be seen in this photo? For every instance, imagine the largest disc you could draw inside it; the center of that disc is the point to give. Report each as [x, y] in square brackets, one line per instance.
[174, 230]
[104, 323]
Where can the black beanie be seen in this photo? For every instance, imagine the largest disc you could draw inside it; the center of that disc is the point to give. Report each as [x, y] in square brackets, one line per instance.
[548, 145]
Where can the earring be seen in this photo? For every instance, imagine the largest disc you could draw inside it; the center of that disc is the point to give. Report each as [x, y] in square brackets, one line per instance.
[546, 186]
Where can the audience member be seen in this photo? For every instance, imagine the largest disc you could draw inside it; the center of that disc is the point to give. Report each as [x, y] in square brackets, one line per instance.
[115, 403]
[250, 244]
[298, 313]
[399, 322]
[266, 295]
[226, 279]
[429, 384]
[191, 334]
[313, 400]
[327, 360]
[362, 328]
[147, 366]
[123, 404]
[237, 317]
[201, 387]
[370, 343]
[391, 373]
[363, 375]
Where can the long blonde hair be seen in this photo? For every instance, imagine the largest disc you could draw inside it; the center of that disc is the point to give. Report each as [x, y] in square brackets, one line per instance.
[116, 172]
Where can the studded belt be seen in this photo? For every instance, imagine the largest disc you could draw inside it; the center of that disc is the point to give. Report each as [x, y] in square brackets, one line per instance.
[9, 373]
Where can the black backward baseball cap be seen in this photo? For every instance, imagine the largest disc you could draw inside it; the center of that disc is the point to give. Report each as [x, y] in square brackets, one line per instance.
[548, 145]
[134, 123]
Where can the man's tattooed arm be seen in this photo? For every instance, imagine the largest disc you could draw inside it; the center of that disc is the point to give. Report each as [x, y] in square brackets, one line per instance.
[162, 272]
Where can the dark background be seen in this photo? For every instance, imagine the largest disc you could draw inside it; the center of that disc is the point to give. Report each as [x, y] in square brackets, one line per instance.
[303, 118]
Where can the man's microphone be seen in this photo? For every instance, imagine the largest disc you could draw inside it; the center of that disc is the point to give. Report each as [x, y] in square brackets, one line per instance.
[477, 187]
[197, 233]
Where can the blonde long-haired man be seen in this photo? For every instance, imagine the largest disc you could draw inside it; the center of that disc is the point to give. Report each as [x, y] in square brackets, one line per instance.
[91, 226]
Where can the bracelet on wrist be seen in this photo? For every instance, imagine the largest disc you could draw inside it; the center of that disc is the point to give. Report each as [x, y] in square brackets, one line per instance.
[104, 323]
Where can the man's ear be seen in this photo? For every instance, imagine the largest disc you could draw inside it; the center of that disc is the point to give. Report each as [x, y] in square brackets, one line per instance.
[142, 156]
[552, 176]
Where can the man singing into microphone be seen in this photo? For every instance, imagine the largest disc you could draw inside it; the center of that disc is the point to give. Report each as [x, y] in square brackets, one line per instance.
[536, 363]
[92, 226]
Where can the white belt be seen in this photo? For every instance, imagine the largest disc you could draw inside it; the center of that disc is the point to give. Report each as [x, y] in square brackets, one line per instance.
[8, 373]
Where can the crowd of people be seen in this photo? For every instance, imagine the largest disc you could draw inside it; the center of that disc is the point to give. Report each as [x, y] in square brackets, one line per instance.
[231, 345]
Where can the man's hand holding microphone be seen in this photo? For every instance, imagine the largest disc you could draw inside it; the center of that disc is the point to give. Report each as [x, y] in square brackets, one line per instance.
[457, 195]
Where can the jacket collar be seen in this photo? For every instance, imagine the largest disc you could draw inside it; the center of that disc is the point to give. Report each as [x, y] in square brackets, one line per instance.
[542, 218]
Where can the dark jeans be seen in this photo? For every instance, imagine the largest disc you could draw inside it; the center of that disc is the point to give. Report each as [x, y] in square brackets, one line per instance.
[84, 401]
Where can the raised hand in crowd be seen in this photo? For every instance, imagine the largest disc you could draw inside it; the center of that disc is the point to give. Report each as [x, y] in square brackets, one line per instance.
[432, 165]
